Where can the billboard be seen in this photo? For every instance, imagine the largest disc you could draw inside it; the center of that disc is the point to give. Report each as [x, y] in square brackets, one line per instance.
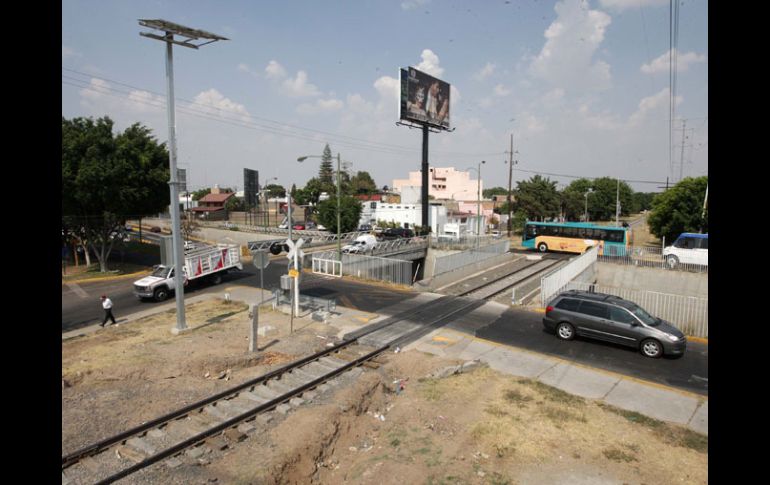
[424, 99]
[250, 187]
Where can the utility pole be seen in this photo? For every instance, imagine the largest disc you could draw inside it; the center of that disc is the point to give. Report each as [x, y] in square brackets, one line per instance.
[681, 157]
[510, 178]
[617, 205]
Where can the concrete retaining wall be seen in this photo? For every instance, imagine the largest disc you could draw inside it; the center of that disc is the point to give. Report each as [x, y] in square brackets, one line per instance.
[652, 279]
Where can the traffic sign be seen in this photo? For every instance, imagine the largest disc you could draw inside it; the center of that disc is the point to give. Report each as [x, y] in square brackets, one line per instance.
[261, 259]
[293, 273]
[294, 248]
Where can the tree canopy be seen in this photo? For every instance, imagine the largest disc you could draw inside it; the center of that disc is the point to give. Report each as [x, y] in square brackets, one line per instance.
[679, 209]
[350, 213]
[108, 178]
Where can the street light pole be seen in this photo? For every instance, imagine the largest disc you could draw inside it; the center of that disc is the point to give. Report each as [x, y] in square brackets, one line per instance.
[189, 34]
[339, 247]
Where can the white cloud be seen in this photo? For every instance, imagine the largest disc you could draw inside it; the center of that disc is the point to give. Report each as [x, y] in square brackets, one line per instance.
[243, 67]
[320, 106]
[567, 58]
[67, 52]
[624, 4]
[655, 106]
[144, 102]
[485, 72]
[215, 103]
[275, 71]
[501, 90]
[683, 62]
[430, 64]
[413, 4]
[299, 86]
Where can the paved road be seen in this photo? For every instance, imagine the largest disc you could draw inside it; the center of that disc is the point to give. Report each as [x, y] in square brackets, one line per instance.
[519, 328]
[524, 329]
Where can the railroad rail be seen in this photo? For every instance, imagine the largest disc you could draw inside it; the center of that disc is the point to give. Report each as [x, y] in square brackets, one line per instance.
[227, 411]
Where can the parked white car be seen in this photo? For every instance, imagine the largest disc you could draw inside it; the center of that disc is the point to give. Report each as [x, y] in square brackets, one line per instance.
[689, 248]
[362, 244]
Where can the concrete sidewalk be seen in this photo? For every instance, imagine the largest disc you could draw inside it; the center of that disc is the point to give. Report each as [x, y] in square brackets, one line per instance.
[647, 398]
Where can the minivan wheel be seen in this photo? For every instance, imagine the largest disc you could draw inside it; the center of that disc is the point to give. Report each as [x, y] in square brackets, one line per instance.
[672, 261]
[565, 331]
[652, 348]
[542, 247]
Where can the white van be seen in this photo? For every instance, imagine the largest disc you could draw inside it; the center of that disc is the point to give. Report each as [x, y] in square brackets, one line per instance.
[689, 248]
[362, 244]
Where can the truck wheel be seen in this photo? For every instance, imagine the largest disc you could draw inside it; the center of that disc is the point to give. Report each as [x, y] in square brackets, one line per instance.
[160, 294]
[216, 279]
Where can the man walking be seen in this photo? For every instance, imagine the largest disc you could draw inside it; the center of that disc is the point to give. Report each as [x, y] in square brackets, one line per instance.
[107, 305]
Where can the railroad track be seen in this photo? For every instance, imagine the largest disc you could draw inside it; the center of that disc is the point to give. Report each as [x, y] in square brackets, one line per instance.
[226, 417]
[490, 288]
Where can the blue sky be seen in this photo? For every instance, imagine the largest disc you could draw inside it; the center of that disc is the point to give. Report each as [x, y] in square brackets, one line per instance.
[582, 85]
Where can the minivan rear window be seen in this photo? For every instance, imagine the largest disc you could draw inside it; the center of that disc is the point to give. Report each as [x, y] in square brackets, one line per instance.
[568, 304]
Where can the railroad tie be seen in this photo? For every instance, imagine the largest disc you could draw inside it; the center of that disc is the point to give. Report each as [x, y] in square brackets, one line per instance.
[264, 392]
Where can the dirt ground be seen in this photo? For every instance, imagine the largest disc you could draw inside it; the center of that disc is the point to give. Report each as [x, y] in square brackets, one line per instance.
[479, 427]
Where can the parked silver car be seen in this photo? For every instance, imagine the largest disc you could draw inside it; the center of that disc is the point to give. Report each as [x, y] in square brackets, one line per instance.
[613, 319]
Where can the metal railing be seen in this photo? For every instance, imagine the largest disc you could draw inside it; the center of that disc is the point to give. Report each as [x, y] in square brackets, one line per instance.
[688, 314]
[442, 241]
[555, 281]
[312, 238]
[452, 262]
[370, 267]
[650, 257]
[389, 246]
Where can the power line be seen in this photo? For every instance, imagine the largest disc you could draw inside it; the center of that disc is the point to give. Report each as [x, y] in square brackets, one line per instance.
[361, 143]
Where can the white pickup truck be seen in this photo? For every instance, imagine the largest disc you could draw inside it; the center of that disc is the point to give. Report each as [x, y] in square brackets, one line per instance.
[206, 263]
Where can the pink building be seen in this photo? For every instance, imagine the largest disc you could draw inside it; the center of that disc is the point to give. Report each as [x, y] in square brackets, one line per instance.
[445, 183]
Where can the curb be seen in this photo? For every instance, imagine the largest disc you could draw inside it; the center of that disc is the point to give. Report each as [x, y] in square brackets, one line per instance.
[106, 278]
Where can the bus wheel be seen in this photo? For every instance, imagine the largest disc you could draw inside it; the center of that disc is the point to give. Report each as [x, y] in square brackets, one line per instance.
[542, 247]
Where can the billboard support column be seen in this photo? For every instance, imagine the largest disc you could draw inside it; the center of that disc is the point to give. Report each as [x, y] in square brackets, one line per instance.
[424, 192]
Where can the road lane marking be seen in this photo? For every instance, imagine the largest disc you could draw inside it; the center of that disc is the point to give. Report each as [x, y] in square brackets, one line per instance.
[77, 290]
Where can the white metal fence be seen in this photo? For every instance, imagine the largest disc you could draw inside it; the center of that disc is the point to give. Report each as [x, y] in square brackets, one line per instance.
[651, 257]
[329, 267]
[453, 261]
[370, 267]
[555, 281]
[688, 314]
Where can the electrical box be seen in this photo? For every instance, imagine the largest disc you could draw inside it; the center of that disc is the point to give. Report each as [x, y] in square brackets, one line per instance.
[286, 282]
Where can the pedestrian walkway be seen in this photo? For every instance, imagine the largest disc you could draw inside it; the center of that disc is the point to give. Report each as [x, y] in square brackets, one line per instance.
[632, 394]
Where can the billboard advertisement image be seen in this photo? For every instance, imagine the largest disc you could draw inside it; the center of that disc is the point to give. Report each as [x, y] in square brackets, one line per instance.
[424, 99]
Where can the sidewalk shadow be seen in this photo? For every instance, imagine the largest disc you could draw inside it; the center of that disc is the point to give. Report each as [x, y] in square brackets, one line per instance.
[269, 344]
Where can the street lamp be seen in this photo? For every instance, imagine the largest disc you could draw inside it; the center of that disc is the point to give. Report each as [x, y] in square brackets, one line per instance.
[339, 161]
[188, 34]
[478, 202]
[585, 217]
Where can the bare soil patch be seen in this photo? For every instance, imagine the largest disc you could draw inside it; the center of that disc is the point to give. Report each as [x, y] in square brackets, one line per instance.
[480, 427]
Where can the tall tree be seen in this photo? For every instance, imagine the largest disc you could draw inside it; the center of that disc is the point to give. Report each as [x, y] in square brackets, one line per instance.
[573, 199]
[601, 203]
[106, 179]
[679, 209]
[363, 183]
[326, 172]
[537, 198]
[350, 213]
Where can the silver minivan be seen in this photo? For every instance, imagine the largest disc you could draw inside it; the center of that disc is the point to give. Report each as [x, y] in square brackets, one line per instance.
[612, 319]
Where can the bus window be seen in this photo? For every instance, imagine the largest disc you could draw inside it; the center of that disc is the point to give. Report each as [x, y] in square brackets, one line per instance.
[615, 236]
[530, 232]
